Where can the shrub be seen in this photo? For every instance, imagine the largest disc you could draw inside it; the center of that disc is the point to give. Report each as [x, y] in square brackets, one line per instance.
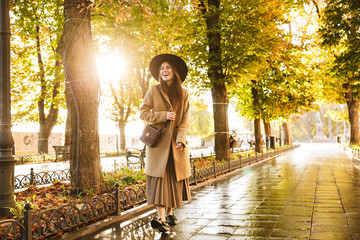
[125, 177]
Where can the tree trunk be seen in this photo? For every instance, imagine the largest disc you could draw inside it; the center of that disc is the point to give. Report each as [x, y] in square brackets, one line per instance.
[122, 136]
[267, 128]
[257, 121]
[353, 109]
[354, 123]
[75, 48]
[216, 76]
[258, 137]
[48, 122]
[123, 116]
[287, 133]
[220, 109]
[44, 134]
[287, 128]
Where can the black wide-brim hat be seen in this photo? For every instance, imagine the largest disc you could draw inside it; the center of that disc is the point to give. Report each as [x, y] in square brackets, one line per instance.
[178, 62]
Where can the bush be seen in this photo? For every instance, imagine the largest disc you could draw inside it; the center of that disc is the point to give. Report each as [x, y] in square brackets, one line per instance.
[36, 158]
[125, 177]
[115, 154]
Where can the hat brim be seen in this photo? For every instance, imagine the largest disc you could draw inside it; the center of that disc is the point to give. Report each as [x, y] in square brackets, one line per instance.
[178, 62]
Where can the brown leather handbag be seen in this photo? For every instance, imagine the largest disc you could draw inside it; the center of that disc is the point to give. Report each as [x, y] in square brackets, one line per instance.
[152, 135]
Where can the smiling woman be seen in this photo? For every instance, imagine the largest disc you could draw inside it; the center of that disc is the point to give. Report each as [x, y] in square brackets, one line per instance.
[111, 66]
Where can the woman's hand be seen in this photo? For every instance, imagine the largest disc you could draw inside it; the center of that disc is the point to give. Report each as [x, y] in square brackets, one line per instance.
[170, 115]
[179, 146]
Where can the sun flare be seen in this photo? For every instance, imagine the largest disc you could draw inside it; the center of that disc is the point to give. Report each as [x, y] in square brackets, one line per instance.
[111, 66]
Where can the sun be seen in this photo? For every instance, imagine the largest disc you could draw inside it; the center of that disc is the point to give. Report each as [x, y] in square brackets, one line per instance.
[111, 66]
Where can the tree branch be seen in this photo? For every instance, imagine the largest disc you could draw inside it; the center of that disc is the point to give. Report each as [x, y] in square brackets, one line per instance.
[317, 8]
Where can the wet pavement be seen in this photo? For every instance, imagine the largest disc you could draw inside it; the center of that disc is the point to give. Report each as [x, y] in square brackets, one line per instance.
[311, 192]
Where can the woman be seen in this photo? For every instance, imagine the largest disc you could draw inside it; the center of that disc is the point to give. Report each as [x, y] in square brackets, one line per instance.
[167, 165]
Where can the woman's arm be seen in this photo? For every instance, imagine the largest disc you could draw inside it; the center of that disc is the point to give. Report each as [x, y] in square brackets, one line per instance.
[146, 110]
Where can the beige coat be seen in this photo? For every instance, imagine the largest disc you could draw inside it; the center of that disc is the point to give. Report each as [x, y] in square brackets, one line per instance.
[154, 111]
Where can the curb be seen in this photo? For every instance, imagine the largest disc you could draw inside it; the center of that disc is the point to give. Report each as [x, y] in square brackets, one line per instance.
[90, 229]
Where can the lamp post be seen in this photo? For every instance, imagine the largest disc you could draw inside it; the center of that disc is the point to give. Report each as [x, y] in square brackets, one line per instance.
[7, 161]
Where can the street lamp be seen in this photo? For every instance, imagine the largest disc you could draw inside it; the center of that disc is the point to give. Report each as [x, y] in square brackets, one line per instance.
[7, 161]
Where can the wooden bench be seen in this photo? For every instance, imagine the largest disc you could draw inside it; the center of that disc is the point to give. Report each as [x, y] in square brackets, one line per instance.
[237, 144]
[135, 156]
[62, 150]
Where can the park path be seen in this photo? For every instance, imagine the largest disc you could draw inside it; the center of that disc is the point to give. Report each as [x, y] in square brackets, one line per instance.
[311, 192]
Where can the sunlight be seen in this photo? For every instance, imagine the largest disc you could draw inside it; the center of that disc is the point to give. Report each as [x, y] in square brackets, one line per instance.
[111, 66]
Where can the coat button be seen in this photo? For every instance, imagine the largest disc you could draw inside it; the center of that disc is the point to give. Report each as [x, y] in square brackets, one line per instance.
[176, 126]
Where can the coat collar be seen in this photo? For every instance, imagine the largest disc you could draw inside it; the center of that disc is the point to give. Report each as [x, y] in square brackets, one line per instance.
[166, 97]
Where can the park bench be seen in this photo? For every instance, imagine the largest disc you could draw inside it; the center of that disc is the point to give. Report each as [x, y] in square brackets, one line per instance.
[62, 150]
[237, 144]
[135, 157]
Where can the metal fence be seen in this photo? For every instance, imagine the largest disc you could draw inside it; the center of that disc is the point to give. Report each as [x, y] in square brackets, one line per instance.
[202, 174]
[354, 151]
[212, 154]
[43, 178]
[54, 221]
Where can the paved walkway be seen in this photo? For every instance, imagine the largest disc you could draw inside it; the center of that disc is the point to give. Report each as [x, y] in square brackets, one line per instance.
[311, 193]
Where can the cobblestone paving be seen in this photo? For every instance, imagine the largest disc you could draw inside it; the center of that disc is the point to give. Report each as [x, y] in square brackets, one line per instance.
[309, 193]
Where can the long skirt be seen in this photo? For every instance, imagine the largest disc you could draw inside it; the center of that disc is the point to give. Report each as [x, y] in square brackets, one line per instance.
[167, 191]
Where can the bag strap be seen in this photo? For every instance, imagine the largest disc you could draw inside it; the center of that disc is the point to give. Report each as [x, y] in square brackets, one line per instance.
[163, 98]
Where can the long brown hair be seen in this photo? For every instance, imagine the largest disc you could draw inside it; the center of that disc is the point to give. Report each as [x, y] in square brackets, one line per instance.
[174, 91]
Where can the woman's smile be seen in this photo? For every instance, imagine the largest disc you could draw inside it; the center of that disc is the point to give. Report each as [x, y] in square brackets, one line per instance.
[166, 71]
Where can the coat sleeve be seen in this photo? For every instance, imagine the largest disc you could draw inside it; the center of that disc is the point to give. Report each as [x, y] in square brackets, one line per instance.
[146, 110]
[184, 124]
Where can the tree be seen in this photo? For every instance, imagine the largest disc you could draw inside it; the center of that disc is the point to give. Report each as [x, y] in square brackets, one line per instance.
[340, 34]
[277, 58]
[211, 14]
[201, 123]
[254, 42]
[134, 28]
[75, 48]
[125, 103]
[306, 122]
[257, 109]
[37, 75]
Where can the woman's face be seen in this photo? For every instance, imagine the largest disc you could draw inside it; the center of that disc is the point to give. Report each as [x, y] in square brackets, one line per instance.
[166, 72]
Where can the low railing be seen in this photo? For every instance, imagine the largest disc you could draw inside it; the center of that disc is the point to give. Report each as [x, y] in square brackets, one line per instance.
[41, 178]
[355, 152]
[212, 154]
[202, 174]
[54, 221]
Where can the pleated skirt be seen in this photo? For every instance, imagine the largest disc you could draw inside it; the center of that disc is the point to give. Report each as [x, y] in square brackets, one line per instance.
[167, 191]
